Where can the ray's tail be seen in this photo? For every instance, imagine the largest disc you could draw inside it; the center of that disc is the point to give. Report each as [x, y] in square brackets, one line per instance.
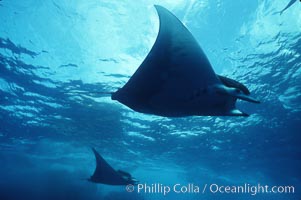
[87, 93]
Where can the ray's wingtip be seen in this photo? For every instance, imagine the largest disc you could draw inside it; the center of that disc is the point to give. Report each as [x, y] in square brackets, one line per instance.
[94, 151]
[158, 7]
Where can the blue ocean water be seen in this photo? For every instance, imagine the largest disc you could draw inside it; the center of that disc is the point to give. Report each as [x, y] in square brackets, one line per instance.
[48, 48]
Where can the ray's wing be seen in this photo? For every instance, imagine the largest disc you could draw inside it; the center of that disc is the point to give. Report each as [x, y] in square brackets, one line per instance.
[103, 170]
[175, 63]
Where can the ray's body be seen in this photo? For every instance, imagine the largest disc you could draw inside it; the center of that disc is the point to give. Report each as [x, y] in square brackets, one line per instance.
[176, 78]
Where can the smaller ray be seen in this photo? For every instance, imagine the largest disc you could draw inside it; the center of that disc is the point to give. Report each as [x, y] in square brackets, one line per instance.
[105, 174]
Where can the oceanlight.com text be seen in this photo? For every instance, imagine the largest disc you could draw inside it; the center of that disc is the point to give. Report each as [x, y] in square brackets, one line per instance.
[251, 189]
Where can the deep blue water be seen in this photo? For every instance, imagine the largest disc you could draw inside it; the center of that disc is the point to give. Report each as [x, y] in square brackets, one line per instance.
[50, 47]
